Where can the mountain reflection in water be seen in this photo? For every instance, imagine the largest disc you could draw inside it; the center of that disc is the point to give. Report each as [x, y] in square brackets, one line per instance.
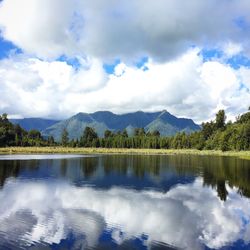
[127, 202]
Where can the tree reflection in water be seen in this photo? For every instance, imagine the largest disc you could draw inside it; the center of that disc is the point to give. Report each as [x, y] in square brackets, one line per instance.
[160, 201]
[215, 171]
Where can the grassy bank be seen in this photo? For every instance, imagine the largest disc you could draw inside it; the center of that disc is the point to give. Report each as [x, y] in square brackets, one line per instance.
[68, 150]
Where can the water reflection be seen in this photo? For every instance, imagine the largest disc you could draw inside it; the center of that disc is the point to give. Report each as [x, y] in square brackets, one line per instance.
[136, 171]
[188, 216]
[129, 202]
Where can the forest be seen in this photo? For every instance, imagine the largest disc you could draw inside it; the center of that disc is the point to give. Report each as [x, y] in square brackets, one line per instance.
[214, 135]
[14, 135]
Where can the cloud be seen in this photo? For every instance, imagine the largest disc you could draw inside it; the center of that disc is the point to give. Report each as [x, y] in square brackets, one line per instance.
[122, 29]
[35, 83]
[32, 87]
[38, 27]
[186, 86]
[231, 49]
[193, 215]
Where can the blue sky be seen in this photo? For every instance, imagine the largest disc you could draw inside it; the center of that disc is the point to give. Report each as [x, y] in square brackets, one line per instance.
[117, 56]
[235, 61]
[7, 48]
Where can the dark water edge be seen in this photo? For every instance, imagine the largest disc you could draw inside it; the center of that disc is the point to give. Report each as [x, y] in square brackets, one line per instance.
[124, 202]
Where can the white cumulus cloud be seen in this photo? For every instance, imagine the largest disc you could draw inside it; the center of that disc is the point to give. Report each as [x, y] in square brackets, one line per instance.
[186, 86]
[36, 84]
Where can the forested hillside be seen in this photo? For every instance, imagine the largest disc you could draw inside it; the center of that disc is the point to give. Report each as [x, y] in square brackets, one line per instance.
[15, 135]
[166, 123]
[216, 134]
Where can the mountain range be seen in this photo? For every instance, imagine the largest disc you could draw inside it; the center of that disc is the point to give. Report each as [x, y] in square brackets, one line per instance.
[34, 123]
[166, 123]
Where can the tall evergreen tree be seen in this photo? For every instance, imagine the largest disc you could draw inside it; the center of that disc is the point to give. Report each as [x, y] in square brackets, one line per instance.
[89, 137]
[65, 137]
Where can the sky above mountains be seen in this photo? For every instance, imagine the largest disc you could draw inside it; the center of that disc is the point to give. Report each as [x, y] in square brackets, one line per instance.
[61, 57]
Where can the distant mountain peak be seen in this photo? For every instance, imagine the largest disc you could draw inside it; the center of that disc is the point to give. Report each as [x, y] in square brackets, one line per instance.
[164, 112]
[104, 112]
[166, 123]
[80, 114]
[83, 117]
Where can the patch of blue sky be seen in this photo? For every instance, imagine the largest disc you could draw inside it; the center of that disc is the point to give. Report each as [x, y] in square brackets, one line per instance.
[210, 54]
[235, 61]
[74, 62]
[110, 67]
[141, 63]
[238, 60]
[6, 48]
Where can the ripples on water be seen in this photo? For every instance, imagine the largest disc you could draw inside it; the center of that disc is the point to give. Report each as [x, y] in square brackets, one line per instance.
[124, 202]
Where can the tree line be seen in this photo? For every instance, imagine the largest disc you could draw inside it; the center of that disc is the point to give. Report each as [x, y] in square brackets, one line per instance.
[14, 135]
[215, 134]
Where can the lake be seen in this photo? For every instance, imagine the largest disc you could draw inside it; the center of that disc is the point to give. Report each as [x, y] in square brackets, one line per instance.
[124, 202]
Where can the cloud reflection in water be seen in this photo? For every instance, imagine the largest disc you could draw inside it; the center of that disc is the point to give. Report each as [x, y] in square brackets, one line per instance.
[188, 216]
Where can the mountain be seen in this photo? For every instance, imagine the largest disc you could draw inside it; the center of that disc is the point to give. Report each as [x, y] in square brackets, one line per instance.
[34, 123]
[166, 123]
[75, 126]
[137, 119]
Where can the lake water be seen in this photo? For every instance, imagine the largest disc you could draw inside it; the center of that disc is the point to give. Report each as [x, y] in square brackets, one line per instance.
[124, 202]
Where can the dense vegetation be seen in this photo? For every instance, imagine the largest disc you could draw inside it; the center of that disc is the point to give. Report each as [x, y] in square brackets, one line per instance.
[14, 135]
[215, 134]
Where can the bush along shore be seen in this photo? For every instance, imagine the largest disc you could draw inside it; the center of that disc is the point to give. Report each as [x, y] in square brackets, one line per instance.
[214, 135]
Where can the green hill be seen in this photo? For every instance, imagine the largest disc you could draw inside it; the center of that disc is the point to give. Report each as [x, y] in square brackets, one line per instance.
[164, 122]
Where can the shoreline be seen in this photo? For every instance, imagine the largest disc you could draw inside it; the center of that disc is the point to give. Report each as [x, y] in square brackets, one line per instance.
[69, 150]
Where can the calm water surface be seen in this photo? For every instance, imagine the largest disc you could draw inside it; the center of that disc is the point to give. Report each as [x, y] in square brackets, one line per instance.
[124, 202]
